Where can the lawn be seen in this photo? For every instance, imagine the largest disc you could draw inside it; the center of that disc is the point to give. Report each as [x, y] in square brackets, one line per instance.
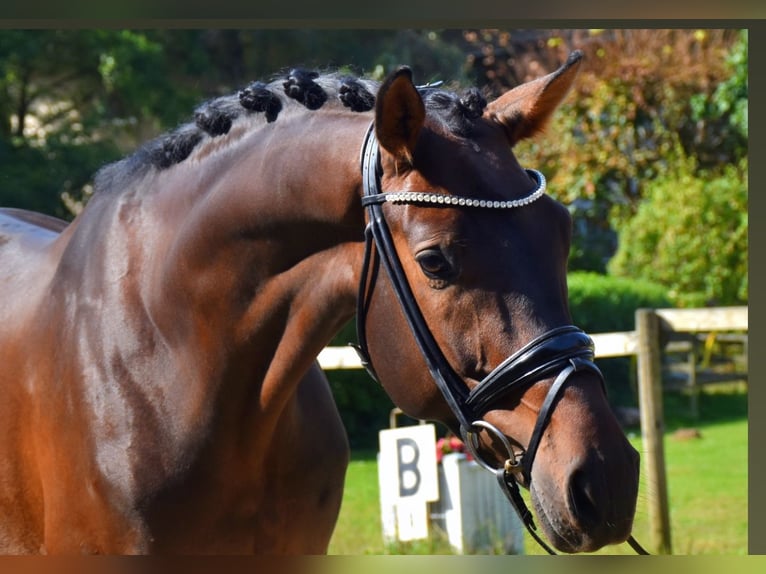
[708, 499]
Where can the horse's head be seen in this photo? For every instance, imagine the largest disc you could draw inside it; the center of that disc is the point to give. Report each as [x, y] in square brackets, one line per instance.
[484, 285]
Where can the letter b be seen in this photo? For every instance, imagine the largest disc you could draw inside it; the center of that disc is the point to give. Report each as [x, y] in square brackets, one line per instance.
[408, 467]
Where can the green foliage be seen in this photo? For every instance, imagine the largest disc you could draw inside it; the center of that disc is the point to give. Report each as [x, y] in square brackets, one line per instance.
[72, 100]
[32, 176]
[690, 235]
[727, 105]
[628, 113]
[601, 303]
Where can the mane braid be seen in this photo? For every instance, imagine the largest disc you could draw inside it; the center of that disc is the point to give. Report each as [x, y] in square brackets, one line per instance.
[176, 146]
[300, 86]
[215, 118]
[257, 97]
[355, 95]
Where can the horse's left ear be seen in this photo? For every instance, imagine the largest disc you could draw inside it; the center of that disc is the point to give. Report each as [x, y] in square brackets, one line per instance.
[399, 115]
[524, 110]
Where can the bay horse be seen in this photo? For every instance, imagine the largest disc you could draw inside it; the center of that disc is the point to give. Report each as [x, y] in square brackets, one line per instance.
[159, 391]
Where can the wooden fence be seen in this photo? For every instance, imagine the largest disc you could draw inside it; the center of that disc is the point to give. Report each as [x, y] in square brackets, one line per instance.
[653, 328]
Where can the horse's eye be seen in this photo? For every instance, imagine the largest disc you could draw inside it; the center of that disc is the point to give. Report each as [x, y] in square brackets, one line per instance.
[434, 264]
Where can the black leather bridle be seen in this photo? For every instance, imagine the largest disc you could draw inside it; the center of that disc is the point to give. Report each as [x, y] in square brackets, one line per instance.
[559, 352]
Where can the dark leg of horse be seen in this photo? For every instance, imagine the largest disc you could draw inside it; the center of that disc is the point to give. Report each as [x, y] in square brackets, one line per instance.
[307, 460]
[276, 490]
[321, 456]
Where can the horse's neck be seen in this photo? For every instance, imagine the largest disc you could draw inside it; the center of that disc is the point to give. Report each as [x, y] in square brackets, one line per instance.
[264, 263]
[186, 305]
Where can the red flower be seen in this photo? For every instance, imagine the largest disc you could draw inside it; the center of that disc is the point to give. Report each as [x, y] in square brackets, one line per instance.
[450, 444]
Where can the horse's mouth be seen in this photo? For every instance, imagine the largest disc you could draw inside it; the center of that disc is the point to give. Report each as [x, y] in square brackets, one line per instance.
[567, 535]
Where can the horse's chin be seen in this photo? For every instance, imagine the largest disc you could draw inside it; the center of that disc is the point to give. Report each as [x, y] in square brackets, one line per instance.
[560, 535]
[560, 530]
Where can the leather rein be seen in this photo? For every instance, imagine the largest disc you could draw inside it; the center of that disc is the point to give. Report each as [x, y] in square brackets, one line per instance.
[562, 350]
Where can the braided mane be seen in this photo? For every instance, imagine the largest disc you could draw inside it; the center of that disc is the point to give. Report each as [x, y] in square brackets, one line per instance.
[261, 103]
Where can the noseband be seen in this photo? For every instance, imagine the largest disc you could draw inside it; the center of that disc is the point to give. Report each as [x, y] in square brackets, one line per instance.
[559, 352]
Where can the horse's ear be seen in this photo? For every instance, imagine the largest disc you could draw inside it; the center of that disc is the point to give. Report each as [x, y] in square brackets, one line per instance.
[525, 110]
[399, 115]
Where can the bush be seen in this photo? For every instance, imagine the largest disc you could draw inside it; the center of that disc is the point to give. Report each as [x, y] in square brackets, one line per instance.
[690, 235]
[641, 95]
[603, 304]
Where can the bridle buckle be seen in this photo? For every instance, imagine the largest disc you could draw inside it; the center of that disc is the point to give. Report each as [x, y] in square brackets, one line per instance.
[512, 466]
[471, 440]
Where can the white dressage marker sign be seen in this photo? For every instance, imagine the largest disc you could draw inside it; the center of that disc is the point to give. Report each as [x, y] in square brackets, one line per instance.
[408, 480]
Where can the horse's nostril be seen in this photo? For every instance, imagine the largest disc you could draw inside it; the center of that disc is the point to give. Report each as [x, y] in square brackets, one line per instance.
[583, 495]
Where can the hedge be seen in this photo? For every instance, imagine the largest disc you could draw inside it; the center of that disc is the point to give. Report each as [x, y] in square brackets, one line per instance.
[602, 303]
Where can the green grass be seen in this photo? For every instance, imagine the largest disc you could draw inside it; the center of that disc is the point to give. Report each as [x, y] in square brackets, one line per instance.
[707, 487]
[359, 530]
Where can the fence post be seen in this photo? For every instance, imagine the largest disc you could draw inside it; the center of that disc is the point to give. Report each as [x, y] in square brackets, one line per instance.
[653, 426]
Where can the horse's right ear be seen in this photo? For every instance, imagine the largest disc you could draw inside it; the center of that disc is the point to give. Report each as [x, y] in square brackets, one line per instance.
[524, 110]
[399, 115]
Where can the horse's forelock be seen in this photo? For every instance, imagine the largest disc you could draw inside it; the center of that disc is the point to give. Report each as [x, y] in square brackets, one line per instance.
[457, 112]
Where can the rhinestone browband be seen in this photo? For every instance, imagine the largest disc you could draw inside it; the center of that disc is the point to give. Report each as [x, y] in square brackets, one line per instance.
[453, 200]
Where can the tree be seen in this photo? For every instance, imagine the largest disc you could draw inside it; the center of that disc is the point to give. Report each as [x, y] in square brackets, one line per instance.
[719, 130]
[72, 100]
[68, 100]
[689, 232]
[627, 115]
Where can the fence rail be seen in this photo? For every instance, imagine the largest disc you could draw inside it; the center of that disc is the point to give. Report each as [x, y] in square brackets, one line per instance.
[645, 342]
